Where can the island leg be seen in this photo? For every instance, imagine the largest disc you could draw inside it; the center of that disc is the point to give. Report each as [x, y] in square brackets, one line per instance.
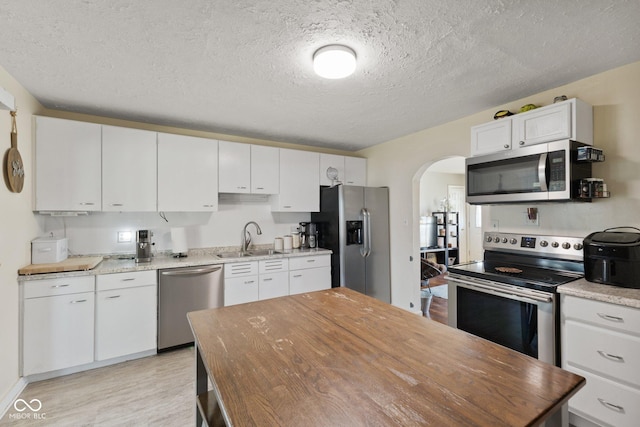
[201, 383]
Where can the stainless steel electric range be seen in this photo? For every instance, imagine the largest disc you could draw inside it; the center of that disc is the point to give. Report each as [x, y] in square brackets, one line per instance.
[510, 297]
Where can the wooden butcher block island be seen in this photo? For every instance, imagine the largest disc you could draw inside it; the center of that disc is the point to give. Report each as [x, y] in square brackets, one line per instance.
[340, 358]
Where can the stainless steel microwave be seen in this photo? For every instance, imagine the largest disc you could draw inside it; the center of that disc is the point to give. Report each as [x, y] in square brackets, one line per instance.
[538, 173]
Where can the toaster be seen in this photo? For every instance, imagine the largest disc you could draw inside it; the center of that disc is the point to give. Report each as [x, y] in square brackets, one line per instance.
[613, 258]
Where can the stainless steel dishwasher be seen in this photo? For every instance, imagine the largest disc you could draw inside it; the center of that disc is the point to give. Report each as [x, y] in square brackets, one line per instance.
[180, 291]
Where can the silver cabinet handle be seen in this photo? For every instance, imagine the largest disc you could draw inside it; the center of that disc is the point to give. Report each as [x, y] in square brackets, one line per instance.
[128, 279]
[268, 279]
[207, 206]
[506, 145]
[521, 142]
[259, 188]
[116, 204]
[87, 203]
[78, 301]
[248, 282]
[611, 318]
[611, 406]
[287, 206]
[297, 275]
[610, 356]
[60, 286]
[113, 297]
[311, 260]
[242, 188]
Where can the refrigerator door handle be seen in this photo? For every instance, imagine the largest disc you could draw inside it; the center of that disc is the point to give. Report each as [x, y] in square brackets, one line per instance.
[365, 250]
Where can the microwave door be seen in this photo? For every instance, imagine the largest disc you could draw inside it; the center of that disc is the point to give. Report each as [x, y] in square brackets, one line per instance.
[500, 178]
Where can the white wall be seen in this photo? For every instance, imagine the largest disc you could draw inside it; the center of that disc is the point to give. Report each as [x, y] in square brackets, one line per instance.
[17, 228]
[399, 164]
[97, 233]
[434, 188]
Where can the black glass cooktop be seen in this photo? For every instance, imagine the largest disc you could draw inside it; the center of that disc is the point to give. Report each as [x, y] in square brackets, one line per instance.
[527, 272]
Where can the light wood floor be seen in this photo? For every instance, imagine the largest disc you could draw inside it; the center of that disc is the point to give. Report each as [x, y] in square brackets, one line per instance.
[153, 391]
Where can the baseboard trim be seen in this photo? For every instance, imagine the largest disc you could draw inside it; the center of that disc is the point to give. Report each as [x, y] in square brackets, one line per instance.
[10, 397]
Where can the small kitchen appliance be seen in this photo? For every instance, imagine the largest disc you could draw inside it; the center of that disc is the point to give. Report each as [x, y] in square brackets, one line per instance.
[510, 297]
[613, 257]
[143, 246]
[48, 250]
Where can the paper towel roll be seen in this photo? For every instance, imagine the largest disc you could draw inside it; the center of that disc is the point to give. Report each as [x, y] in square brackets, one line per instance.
[179, 241]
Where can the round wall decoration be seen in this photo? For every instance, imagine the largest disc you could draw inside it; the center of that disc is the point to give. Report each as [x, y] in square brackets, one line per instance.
[14, 168]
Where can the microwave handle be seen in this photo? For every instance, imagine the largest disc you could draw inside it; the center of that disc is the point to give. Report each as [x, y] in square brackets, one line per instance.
[542, 172]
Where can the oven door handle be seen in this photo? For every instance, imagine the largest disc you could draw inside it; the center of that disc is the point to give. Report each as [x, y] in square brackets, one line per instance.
[521, 295]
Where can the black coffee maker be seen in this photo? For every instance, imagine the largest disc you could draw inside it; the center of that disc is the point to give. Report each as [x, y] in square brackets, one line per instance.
[308, 235]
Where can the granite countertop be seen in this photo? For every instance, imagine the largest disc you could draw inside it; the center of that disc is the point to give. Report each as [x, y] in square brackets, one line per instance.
[605, 293]
[120, 264]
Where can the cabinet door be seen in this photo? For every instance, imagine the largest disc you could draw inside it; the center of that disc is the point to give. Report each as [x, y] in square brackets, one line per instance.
[129, 170]
[57, 332]
[331, 161]
[355, 171]
[491, 137]
[273, 285]
[309, 280]
[67, 165]
[544, 124]
[239, 290]
[299, 182]
[234, 171]
[187, 174]
[265, 167]
[125, 321]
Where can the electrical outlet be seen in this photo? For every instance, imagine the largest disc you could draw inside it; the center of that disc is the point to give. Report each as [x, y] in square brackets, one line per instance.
[125, 236]
[528, 221]
[494, 225]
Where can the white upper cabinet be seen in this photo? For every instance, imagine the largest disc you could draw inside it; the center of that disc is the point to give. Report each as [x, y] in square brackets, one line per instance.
[67, 165]
[265, 166]
[331, 161]
[355, 171]
[570, 119]
[234, 167]
[299, 182]
[187, 174]
[129, 173]
[491, 137]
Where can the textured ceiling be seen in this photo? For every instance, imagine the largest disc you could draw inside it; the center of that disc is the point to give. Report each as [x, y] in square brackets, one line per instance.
[244, 67]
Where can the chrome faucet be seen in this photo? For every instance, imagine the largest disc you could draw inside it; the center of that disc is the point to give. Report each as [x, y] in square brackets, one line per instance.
[246, 236]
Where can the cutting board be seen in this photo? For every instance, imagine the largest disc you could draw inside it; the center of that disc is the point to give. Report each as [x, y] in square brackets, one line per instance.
[69, 264]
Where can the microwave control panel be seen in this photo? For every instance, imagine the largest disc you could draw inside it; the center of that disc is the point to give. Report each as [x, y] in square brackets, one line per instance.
[557, 171]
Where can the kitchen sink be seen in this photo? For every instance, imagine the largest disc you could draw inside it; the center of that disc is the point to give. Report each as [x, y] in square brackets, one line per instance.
[257, 252]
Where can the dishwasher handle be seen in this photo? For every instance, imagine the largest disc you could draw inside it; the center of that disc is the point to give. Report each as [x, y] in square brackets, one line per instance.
[191, 271]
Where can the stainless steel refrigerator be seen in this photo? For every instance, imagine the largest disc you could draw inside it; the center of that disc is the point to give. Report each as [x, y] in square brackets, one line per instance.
[354, 223]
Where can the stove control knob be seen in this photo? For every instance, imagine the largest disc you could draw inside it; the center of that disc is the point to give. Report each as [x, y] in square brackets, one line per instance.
[513, 240]
[566, 245]
[555, 244]
[489, 239]
[577, 246]
[544, 243]
[504, 240]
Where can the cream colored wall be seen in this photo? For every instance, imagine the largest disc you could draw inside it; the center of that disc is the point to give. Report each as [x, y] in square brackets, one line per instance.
[434, 187]
[17, 228]
[399, 164]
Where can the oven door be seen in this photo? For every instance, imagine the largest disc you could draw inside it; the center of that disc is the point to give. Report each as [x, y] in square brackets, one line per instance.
[519, 318]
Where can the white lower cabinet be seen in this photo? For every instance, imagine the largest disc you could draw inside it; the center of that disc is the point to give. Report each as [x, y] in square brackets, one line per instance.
[58, 324]
[601, 341]
[308, 274]
[240, 282]
[126, 314]
[273, 280]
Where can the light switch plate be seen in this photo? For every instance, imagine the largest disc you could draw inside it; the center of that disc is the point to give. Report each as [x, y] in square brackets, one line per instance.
[125, 236]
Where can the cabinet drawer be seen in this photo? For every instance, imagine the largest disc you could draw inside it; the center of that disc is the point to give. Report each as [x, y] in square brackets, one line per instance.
[610, 353]
[240, 290]
[239, 269]
[273, 285]
[299, 263]
[273, 265]
[601, 313]
[59, 286]
[107, 282]
[606, 401]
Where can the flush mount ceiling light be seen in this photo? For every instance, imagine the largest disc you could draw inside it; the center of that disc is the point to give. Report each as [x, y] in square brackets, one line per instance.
[334, 62]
